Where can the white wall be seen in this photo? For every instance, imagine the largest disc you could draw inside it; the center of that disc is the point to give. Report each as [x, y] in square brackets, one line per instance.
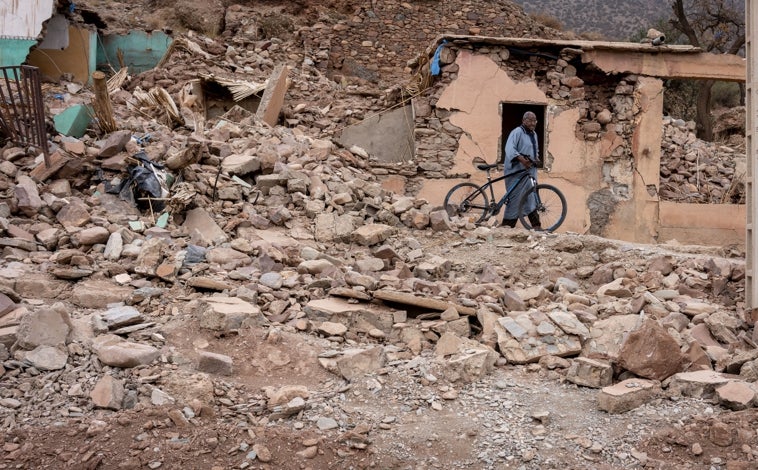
[22, 19]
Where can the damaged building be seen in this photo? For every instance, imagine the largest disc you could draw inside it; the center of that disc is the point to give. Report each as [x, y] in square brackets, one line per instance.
[64, 39]
[600, 112]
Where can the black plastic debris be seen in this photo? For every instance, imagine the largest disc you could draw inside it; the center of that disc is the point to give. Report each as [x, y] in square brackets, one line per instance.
[147, 185]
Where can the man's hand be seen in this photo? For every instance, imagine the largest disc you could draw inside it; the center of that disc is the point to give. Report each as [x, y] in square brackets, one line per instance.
[524, 161]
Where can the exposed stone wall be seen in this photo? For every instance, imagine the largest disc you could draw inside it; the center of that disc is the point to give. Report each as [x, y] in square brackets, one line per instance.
[605, 105]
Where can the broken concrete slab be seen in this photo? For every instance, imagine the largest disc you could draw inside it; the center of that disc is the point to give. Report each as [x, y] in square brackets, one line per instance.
[203, 229]
[736, 395]
[698, 384]
[358, 317]
[47, 358]
[418, 301]
[114, 351]
[525, 337]
[99, 294]
[386, 137]
[240, 164]
[356, 363]
[590, 373]
[46, 327]
[224, 313]
[607, 336]
[273, 97]
[372, 234]
[627, 395]
[124, 315]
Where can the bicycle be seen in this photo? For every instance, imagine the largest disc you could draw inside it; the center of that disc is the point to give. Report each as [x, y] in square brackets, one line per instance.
[471, 200]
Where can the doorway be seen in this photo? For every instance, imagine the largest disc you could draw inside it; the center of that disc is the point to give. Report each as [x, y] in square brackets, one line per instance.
[512, 114]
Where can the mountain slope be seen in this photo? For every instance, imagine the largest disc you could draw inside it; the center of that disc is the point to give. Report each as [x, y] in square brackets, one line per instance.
[618, 20]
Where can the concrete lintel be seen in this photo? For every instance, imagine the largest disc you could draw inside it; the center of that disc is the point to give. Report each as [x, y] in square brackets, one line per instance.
[666, 64]
[273, 98]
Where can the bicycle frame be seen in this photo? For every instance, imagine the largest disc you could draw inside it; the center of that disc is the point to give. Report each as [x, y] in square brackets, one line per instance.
[496, 205]
[476, 202]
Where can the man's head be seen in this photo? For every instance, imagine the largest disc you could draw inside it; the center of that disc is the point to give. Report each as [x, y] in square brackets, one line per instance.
[529, 120]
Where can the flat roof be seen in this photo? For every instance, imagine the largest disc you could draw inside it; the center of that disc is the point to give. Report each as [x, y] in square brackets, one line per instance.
[577, 44]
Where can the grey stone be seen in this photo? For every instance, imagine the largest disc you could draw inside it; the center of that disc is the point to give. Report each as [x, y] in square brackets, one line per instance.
[590, 373]
[46, 327]
[214, 363]
[114, 351]
[47, 358]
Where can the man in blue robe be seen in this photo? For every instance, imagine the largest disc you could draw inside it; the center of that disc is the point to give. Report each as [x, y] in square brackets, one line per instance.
[521, 151]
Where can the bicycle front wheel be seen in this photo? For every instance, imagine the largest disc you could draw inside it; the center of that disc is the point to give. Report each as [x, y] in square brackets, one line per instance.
[551, 207]
[467, 200]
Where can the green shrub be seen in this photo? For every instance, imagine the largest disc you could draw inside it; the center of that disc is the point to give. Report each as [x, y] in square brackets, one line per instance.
[725, 95]
[547, 20]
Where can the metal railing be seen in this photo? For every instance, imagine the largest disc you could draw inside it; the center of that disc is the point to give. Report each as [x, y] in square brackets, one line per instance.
[22, 113]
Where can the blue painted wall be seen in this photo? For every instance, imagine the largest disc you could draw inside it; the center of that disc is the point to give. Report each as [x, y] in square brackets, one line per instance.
[142, 51]
[14, 51]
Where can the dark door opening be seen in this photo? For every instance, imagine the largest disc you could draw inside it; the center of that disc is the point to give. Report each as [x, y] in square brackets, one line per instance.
[512, 114]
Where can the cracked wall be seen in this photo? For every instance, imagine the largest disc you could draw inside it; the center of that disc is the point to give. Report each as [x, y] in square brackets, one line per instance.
[602, 139]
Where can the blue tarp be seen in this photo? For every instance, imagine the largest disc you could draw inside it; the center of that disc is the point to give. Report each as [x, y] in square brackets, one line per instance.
[435, 65]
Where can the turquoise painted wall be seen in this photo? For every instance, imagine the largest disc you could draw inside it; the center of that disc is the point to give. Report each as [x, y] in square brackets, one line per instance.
[14, 51]
[142, 51]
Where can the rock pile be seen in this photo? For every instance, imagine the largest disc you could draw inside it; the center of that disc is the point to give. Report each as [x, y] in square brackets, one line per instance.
[700, 172]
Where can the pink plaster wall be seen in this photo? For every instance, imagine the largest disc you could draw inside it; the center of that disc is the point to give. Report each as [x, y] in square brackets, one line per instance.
[575, 165]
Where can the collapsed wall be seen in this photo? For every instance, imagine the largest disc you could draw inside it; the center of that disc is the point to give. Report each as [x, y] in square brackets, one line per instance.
[604, 140]
[607, 115]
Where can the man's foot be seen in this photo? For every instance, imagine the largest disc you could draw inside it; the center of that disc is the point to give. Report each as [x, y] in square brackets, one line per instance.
[509, 223]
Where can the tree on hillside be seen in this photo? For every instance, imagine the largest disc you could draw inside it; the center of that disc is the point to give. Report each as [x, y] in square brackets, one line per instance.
[716, 26]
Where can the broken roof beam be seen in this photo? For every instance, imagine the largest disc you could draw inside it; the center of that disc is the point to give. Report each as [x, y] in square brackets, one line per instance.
[700, 65]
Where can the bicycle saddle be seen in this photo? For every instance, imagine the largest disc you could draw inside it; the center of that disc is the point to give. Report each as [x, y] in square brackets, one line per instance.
[485, 166]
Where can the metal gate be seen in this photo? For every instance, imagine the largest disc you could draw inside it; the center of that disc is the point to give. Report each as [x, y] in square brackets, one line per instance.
[22, 113]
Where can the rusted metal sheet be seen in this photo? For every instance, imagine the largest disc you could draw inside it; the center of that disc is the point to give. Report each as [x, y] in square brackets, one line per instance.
[23, 19]
[22, 112]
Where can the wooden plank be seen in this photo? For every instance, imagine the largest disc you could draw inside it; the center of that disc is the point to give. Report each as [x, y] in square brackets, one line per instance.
[424, 302]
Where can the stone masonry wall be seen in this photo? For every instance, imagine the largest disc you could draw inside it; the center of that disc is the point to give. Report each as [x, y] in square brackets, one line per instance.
[605, 104]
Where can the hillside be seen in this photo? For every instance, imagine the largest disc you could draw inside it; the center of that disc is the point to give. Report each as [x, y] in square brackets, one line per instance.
[617, 20]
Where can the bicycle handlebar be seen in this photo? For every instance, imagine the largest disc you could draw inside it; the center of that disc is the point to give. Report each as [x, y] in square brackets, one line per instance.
[487, 167]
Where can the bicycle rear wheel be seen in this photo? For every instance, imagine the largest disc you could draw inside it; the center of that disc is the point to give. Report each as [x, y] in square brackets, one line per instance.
[551, 207]
[467, 200]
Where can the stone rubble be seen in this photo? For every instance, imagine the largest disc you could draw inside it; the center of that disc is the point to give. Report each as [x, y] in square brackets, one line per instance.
[700, 172]
[289, 234]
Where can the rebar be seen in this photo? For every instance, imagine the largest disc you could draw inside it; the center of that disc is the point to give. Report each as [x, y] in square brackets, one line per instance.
[22, 112]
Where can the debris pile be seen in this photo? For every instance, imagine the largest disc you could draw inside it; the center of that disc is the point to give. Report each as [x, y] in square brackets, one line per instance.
[700, 172]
